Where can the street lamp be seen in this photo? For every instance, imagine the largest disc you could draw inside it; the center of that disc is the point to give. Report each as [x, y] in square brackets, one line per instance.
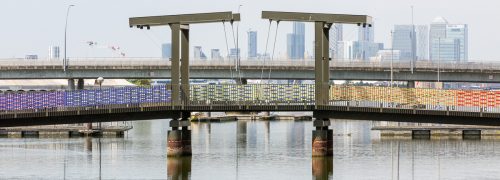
[392, 58]
[99, 81]
[65, 63]
[439, 58]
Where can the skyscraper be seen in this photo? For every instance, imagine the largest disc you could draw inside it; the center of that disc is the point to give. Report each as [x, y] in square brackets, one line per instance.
[404, 40]
[296, 41]
[448, 42]
[422, 42]
[366, 33]
[234, 53]
[336, 36]
[252, 44]
[215, 54]
[54, 52]
[198, 53]
[166, 51]
[358, 50]
[365, 47]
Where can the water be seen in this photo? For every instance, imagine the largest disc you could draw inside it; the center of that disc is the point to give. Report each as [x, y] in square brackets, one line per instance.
[249, 150]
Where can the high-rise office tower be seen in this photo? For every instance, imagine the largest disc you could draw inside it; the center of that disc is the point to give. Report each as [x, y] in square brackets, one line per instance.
[198, 53]
[448, 42]
[166, 51]
[358, 50]
[234, 53]
[54, 52]
[366, 33]
[296, 41]
[336, 36]
[252, 44]
[422, 39]
[411, 41]
[404, 40]
[215, 54]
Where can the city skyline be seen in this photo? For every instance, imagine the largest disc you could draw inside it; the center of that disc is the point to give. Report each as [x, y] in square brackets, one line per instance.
[112, 28]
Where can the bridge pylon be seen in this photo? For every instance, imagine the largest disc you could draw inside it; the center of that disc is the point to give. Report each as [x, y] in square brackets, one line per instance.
[179, 138]
[322, 144]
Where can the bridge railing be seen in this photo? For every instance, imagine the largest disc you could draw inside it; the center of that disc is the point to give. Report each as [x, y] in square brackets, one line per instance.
[254, 95]
[257, 94]
[416, 98]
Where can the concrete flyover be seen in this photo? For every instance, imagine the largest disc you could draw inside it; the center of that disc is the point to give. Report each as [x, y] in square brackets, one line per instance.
[156, 68]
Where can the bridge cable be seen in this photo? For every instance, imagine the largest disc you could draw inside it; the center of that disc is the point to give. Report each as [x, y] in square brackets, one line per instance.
[265, 51]
[158, 45]
[227, 47]
[235, 41]
[238, 52]
[274, 48]
[234, 45]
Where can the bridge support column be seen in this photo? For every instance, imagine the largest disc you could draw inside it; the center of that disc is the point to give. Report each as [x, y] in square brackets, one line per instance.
[322, 138]
[71, 84]
[411, 84]
[80, 84]
[179, 138]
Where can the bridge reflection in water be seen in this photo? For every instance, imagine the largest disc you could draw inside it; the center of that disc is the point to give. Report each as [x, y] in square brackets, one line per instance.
[322, 168]
[179, 168]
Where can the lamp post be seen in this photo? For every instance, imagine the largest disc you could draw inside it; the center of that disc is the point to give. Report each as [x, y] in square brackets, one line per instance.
[392, 58]
[99, 81]
[439, 58]
[65, 63]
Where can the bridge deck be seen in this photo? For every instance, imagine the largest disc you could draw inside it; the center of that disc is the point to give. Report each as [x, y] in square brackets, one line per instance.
[159, 111]
[347, 102]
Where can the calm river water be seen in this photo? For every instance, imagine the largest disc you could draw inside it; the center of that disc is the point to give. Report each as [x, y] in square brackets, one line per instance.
[249, 150]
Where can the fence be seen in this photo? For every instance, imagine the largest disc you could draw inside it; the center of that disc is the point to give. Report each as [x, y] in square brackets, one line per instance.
[261, 94]
[83, 98]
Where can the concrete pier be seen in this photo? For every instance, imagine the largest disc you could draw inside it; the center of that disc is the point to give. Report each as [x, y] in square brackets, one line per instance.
[322, 138]
[179, 138]
[410, 84]
[71, 84]
[179, 143]
[80, 84]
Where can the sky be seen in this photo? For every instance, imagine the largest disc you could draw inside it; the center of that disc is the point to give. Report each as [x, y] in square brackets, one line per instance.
[31, 26]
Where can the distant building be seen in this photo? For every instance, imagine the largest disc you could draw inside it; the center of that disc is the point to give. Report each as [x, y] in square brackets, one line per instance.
[31, 56]
[198, 53]
[358, 50]
[448, 42]
[366, 33]
[411, 41]
[388, 54]
[363, 49]
[54, 52]
[166, 51]
[422, 42]
[296, 41]
[234, 53]
[215, 54]
[252, 45]
[336, 36]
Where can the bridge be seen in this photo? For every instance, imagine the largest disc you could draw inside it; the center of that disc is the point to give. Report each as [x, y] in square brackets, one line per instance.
[157, 68]
[178, 99]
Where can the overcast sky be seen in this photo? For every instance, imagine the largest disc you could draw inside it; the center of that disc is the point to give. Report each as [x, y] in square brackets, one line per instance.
[31, 26]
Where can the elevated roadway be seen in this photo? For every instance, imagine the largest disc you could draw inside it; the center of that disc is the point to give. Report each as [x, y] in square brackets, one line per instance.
[156, 68]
